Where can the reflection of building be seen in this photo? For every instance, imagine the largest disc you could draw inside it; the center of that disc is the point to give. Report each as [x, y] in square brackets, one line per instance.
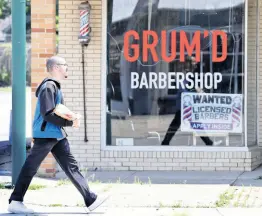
[6, 29]
[165, 16]
[139, 126]
[4, 23]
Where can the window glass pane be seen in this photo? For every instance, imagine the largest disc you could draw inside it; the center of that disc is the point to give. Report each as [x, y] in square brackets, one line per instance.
[145, 111]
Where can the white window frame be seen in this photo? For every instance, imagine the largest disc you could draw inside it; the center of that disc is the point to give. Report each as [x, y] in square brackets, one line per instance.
[105, 147]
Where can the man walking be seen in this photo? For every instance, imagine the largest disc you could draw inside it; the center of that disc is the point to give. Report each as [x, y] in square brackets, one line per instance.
[49, 136]
[190, 65]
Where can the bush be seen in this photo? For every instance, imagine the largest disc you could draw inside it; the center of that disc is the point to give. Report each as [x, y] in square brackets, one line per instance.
[6, 65]
[5, 76]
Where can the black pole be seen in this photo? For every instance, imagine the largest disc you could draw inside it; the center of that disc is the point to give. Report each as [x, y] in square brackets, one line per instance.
[84, 87]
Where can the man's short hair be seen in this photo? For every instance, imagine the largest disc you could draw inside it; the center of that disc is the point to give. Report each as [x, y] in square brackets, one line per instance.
[52, 61]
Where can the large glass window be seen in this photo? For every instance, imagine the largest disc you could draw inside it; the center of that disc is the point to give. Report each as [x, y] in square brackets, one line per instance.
[175, 72]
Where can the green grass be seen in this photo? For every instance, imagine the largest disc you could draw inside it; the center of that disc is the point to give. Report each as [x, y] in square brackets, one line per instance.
[55, 205]
[5, 44]
[239, 196]
[177, 205]
[95, 182]
[181, 214]
[137, 181]
[225, 199]
[247, 196]
[80, 205]
[161, 205]
[68, 182]
[5, 185]
[5, 89]
[107, 188]
[36, 187]
[63, 182]
[118, 180]
[84, 170]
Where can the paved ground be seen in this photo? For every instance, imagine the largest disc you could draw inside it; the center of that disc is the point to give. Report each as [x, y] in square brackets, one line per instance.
[148, 212]
[149, 193]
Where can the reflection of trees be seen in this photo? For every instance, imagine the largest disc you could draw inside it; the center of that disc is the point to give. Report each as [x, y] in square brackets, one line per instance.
[6, 65]
[5, 9]
[5, 48]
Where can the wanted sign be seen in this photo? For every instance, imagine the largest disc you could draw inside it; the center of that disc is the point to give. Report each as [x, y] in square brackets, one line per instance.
[211, 112]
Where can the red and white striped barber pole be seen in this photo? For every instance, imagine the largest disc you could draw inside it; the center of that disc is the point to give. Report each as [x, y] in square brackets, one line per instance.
[236, 111]
[85, 29]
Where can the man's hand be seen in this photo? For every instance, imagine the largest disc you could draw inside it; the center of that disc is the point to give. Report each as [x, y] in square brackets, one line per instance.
[76, 123]
[68, 117]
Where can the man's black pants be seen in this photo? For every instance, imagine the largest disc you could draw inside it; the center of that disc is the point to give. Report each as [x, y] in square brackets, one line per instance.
[174, 126]
[61, 152]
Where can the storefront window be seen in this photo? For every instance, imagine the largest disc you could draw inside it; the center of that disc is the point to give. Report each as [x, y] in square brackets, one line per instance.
[175, 73]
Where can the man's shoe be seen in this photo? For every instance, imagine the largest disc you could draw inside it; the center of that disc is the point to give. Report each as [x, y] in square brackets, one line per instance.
[19, 207]
[99, 201]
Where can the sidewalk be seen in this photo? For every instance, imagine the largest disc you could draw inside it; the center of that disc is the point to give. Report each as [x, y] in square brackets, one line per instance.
[150, 193]
[148, 212]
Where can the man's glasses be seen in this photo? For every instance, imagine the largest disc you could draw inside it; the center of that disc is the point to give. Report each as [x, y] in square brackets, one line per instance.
[63, 64]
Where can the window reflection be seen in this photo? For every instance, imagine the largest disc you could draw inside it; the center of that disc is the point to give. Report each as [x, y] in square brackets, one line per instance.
[146, 115]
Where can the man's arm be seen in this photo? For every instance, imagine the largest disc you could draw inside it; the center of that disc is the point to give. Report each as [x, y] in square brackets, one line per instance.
[47, 105]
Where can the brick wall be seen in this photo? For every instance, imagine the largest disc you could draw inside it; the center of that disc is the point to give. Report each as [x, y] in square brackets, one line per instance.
[43, 46]
[199, 160]
[90, 154]
[70, 49]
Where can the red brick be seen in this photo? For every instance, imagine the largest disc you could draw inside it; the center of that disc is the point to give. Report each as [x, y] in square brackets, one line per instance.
[34, 85]
[45, 55]
[50, 30]
[38, 30]
[50, 170]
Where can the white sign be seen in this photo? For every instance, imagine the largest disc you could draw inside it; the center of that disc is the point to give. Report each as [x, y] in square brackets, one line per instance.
[211, 112]
[124, 141]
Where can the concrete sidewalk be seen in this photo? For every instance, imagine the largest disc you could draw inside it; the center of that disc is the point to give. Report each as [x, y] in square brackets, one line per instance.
[149, 193]
[232, 178]
[147, 212]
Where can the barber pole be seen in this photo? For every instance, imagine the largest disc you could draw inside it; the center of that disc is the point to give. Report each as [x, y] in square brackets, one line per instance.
[84, 39]
[85, 29]
[187, 109]
[236, 111]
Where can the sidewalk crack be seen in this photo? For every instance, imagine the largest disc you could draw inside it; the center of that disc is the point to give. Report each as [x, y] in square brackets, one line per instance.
[219, 212]
[233, 182]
